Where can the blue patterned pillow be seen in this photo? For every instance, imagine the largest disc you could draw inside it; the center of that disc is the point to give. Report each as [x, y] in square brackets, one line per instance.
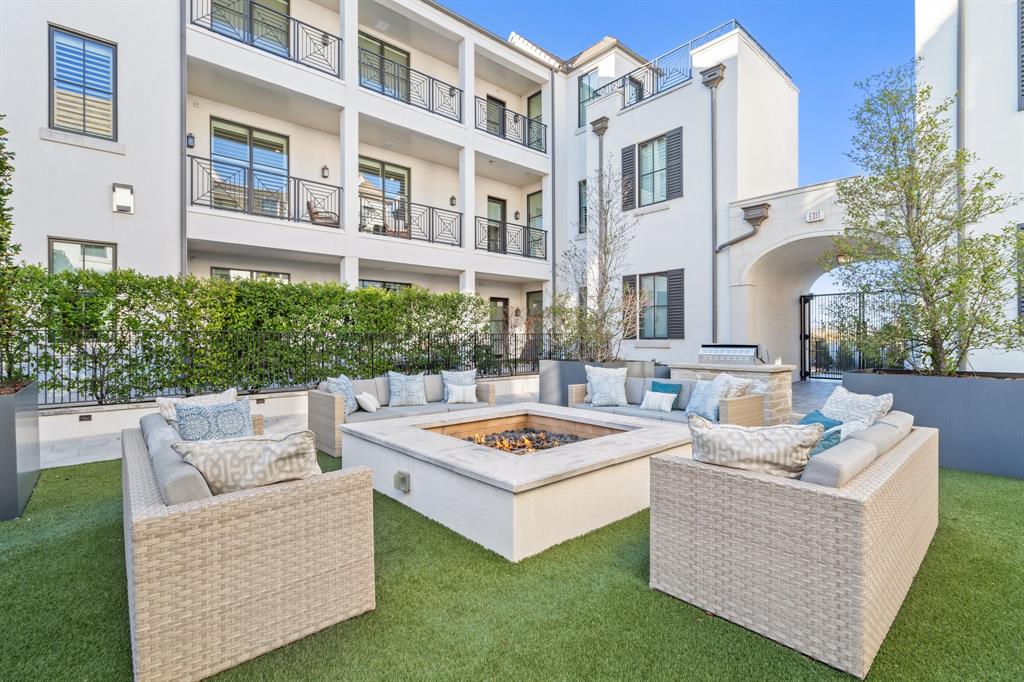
[467, 378]
[342, 385]
[607, 386]
[707, 395]
[215, 422]
[406, 389]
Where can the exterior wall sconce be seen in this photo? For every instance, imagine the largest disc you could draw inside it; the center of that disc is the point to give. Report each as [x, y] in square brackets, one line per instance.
[123, 198]
[517, 215]
[452, 200]
[325, 172]
[190, 141]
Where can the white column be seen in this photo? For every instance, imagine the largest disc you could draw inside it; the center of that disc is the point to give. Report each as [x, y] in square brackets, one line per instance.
[467, 196]
[547, 187]
[349, 273]
[350, 42]
[467, 80]
[349, 175]
[467, 282]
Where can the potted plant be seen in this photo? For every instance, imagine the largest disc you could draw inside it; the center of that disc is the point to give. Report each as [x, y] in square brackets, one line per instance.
[922, 225]
[19, 416]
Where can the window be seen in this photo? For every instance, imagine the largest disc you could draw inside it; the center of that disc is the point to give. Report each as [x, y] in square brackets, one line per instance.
[585, 87]
[534, 118]
[229, 274]
[83, 84]
[377, 178]
[653, 171]
[581, 210]
[384, 67]
[262, 23]
[70, 254]
[380, 284]
[535, 210]
[654, 306]
[246, 158]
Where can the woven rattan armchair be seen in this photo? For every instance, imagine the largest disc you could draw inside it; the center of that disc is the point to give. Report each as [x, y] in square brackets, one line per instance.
[822, 570]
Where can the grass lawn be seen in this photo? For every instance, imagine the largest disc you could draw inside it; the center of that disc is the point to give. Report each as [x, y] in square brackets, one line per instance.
[448, 609]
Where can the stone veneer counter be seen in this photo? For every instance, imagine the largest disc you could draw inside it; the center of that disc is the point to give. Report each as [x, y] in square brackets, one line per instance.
[778, 399]
[515, 505]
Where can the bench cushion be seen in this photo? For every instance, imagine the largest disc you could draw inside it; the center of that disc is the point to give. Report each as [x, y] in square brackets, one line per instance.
[882, 436]
[838, 465]
[177, 480]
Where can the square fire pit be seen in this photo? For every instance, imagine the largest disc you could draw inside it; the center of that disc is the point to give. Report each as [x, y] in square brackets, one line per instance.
[564, 472]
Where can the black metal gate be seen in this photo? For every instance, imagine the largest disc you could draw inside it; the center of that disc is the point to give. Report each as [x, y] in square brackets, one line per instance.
[838, 333]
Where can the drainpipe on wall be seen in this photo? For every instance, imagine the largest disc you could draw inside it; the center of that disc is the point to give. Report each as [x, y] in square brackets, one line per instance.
[711, 78]
[554, 194]
[183, 158]
[960, 84]
[599, 126]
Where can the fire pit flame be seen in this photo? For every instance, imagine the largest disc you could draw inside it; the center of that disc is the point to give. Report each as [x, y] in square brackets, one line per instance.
[523, 441]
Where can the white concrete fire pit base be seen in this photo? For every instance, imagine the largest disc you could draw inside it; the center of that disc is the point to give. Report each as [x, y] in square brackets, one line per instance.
[515, 505]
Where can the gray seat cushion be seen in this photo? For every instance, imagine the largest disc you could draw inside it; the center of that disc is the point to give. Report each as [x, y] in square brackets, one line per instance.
[685, 390]
[635, 411]
[589, 406]
[903, 421]
[383, 390]
[416, 410]
[455, 407]
[434, 387]
[838, 465]
[882, 436]
[366, 386]
[635, 387]
[178, 480]
[382, 413]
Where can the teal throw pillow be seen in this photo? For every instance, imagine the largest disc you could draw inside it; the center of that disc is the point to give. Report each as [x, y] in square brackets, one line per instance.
[832, 434]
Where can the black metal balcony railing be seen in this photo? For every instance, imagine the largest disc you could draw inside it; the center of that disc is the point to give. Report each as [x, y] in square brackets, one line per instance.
[249, 22]
[398, 81]
[398, 217]
[495, 119]
[497, 236]
[229, 186]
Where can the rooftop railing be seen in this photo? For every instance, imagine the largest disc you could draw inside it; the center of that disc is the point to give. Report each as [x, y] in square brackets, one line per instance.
[249, 22]
[498, 236]
[670, 70]
[400, 82]
[228, 186]
[403, 219]
[497, 120]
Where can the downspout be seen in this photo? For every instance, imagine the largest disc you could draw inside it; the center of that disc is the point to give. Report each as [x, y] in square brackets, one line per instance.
[599, 126]
[183, 158]
[960, 84]
[554, 195]
[711, 78]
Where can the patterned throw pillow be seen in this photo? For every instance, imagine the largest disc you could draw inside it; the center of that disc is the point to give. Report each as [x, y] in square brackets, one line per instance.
[243, 463]
[738, 387]
[342, 385]
[406, 389]
[658, 401]
[607, 386]
[778, 450]
[461, 394]
[707, 395]
[856, 407]
[467, 378]
[167, 405]
[215, 422]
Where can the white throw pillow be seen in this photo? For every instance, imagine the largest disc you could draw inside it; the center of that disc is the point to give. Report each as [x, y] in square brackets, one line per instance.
[168, 409]
[778, 450]
[368, 402]
[856, 407]
[606, 386]
[461, 394]
[658, 402]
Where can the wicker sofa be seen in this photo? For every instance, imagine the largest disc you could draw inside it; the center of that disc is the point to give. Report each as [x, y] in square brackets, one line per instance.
[217, 581]
[745, 410]
[820, 569]
[326, 411]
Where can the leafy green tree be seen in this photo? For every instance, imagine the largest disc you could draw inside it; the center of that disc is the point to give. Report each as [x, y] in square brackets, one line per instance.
[907, 229]
[10, 313]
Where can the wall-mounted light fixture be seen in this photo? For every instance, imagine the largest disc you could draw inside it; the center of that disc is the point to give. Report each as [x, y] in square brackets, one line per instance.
[325, 172]
[190, 141]
[123, 198]
[452, 200]
[516, 215]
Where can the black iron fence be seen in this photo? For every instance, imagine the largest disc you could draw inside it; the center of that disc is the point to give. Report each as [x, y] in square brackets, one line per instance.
[86, 367]
[398, 81]
[848, 331]
[495, 119]
[498, 236]
[253, 23]
[398, 217]
[231, 186]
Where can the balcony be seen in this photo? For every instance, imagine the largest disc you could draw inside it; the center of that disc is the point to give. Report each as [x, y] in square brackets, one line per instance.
[515, 127]
[233, 187]
[498, 236]
[251, 23]
[400, 218]
[399, 82]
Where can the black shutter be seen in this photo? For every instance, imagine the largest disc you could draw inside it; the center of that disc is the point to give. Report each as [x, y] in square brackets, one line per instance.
[629, 326]
[629, 178]
[674, 163]
[676, 305]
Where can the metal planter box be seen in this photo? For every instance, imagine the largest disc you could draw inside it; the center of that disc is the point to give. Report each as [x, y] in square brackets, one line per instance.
[980, 417]
[19, 450]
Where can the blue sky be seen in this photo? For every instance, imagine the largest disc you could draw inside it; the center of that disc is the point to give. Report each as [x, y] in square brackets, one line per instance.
[825, 45]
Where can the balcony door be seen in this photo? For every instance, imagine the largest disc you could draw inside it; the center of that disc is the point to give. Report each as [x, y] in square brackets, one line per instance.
[535, 221]
[384, 68]
[261, 23]
[384, 191]
[534, 117]
[495, 116]
[249, 169]
[496, 224]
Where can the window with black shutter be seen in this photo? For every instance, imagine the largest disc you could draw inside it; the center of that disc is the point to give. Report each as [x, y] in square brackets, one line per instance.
[652, 171]
[629, 178]
[676, 305]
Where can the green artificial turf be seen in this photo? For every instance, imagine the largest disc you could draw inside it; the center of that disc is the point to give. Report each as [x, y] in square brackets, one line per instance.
[448, 609]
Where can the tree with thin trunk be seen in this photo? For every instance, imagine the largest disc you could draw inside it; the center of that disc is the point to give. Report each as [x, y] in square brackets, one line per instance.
[9, 250]
[910, 229]
[596, 315]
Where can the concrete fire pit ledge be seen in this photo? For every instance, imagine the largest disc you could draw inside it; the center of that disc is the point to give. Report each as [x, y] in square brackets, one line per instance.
[515, 505]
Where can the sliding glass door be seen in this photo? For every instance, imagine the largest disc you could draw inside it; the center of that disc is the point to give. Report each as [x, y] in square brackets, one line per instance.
[250, 169]
[261, 23]
[383, 67]
[384, 191]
